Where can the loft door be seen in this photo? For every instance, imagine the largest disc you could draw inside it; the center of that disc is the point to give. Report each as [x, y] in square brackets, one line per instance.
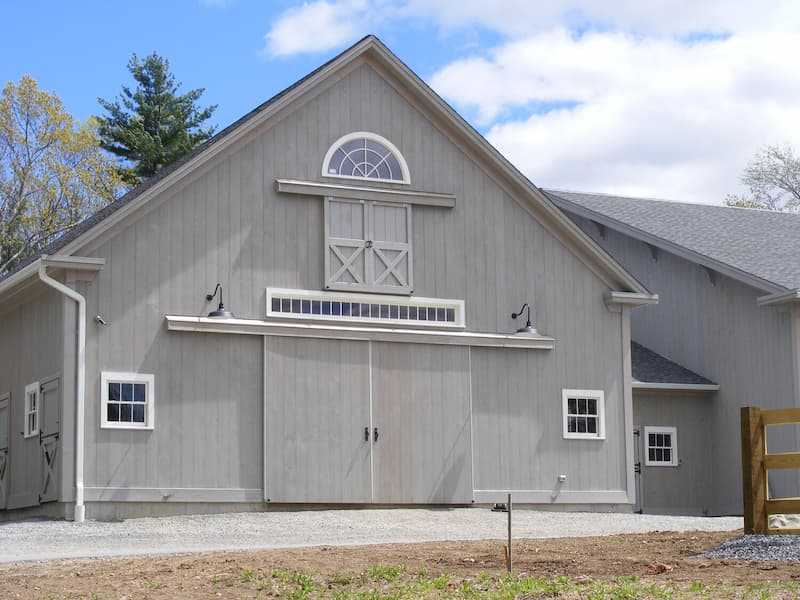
[317, 421]
[421, 410]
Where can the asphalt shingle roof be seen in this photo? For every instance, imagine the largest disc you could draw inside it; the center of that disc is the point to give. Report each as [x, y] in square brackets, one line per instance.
[650, 367]
[760, 243]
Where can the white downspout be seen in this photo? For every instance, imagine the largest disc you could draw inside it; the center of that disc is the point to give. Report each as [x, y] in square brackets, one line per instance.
[80, 385]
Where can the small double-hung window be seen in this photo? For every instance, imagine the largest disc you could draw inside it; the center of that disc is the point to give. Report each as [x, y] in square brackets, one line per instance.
[368, 246]
[584, 414]
[128, 401]
[32, 409]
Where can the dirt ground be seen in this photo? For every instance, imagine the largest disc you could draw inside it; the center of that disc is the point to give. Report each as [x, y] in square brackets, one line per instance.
[657, 558]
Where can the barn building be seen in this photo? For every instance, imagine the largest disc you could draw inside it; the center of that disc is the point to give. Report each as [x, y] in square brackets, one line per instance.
[315, 308]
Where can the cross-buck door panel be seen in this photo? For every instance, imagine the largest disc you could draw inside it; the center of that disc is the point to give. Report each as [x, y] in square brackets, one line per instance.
[317, 407]
[368, 246]
[4, 438]
[421, 409]
[49, 440]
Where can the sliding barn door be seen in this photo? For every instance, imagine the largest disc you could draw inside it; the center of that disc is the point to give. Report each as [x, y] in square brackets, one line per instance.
[4, 435]
[421, 409]
[317, 411]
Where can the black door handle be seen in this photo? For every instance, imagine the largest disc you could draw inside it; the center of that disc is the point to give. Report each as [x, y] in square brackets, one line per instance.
[366, 434]
[375, 435]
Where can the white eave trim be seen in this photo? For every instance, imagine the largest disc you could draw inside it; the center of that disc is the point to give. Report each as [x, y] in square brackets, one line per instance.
[779, 298]
[354, 192]
[630, 298]
[677, 387]
[340, 332]
[74, 263]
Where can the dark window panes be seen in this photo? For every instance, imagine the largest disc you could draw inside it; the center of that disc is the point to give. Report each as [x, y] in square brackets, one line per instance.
[451, 315]
[394, 311]
[572, 404]
[138, 392]
[316, 307]
[572, 424]
[394, 166]
[127, 392]
[659, 454]
[667, 455]
[306, 307]
[346, 309]
[651, 455]
[440, 314]
[125, 413]
[276, 305]
[365, 310]
[326, 308]
[667, 440]
[114, 392]
[286, 305]
[113, 412]
[422, 313]
[384, 311]
[591, 425]
[355, 311]
[581, 424]
[581, 406]
[335, 162]
[592, 406]
[295, 305]
[412, 313]
[336, 308]
[403, 313]
[374, 311]
[651, 439]
[138, 413]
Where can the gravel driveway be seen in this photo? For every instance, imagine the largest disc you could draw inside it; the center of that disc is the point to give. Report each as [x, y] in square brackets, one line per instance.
[44, 540]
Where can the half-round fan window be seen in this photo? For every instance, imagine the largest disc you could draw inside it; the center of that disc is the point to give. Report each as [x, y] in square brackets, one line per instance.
[364, 155]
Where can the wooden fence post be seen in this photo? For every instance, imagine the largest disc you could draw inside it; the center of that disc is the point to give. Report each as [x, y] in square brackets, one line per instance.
[754, 475]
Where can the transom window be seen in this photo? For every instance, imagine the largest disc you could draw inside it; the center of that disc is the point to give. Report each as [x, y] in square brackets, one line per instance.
[661, 448]
[365, 155]
[584, 414]
[127, 401]
[364, 308]
[32, 406]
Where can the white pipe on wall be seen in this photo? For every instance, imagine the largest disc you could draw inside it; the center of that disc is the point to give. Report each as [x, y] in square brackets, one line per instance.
[80, 385]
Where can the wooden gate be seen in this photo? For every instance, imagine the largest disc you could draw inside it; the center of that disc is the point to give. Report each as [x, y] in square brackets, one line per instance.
[757, 462]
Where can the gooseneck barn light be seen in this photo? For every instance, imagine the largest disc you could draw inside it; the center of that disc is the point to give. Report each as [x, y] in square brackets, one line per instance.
[529, 328]
[221, 312]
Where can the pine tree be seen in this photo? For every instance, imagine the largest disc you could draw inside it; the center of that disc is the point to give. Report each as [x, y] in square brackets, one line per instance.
[152, 125]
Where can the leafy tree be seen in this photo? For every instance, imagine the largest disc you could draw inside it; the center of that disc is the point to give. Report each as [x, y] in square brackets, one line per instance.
[53, 172]
[773, 177]
[152, 125]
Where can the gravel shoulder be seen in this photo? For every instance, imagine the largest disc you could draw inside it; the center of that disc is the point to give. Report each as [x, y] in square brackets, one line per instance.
[48, 540]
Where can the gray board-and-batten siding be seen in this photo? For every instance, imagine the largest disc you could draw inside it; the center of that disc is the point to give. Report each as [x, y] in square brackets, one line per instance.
[226, 222]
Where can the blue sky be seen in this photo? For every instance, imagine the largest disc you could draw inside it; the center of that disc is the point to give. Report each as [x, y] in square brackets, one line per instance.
[668, 98]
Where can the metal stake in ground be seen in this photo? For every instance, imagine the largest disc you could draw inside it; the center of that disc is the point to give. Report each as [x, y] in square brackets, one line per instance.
[508, 554]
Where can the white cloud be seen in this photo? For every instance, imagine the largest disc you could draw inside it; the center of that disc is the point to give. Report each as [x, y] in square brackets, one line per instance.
[649, 116]
[316, 27]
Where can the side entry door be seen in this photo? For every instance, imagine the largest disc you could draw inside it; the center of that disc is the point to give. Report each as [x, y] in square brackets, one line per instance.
[49, 440]
[4, 434]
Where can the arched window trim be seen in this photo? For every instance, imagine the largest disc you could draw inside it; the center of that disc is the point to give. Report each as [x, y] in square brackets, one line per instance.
[376, 138]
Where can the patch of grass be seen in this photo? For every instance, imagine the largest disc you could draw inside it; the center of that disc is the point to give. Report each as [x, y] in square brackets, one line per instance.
[387, 573]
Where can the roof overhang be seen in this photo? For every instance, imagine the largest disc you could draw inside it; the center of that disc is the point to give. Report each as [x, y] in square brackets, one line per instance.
[675, 387]
[30, 272]
[666, 245]
[630, 299]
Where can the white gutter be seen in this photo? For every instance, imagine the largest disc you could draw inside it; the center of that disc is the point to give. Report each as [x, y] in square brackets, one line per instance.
[80, 385]
[779, 298]
[676, 387]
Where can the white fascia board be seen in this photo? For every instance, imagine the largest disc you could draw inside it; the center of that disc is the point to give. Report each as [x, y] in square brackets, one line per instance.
[20, 276]
[74, 263]
[677, 387]
[666, 245]
[382, 334]
[353, 192]
[779, 298]
[630, 298]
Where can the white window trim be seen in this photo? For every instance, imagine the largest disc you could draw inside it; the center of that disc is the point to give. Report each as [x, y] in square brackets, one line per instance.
[375, 138]
[673, 431]
[598, 395]
[107, 377]
[457, 305]
[36, 388]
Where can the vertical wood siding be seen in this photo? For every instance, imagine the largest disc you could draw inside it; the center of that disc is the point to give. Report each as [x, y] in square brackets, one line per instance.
[30, 350]
[717, 331]
[229, 225]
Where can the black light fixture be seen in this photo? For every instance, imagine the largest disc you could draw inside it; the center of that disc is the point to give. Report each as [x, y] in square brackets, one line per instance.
[221, 312]
[529, 328]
